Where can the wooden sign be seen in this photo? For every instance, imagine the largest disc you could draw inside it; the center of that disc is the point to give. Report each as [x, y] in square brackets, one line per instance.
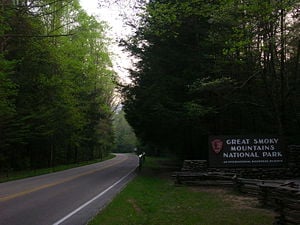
[245, 151]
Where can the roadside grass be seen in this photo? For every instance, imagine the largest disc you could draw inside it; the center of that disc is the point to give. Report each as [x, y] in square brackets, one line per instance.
[15, 175]
[152, 199]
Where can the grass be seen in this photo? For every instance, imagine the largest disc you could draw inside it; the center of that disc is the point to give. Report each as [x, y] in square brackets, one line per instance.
[152, 199]
[15, 175]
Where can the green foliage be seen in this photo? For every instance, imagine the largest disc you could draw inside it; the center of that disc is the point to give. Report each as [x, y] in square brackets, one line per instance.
[125, 139]
[56, 85]
[7, 89]
[222, 67]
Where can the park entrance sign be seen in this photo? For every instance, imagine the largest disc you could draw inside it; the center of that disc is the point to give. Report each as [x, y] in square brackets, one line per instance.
[245, 151]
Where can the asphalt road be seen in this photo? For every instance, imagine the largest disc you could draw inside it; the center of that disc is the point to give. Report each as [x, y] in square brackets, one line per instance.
[70, 197]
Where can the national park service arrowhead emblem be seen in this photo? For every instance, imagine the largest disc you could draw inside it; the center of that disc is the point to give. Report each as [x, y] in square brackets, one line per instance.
[217, 145]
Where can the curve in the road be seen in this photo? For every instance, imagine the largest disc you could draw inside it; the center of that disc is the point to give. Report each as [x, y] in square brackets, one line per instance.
[29, 191]
[70, 197]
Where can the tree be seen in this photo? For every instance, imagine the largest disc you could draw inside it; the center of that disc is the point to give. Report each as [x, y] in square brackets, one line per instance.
[212, 68]
[260, 40]
[57, 89]
[168, 46]
[125, 139]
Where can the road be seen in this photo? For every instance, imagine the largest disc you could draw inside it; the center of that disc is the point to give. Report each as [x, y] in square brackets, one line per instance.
[70, 197]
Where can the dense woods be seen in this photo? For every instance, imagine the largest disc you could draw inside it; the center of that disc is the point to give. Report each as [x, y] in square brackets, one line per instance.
[202, 68]
[214, 67]
[125, 139]
[56, 85]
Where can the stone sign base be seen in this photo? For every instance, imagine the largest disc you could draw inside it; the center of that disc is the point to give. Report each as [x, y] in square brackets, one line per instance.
[289, 171]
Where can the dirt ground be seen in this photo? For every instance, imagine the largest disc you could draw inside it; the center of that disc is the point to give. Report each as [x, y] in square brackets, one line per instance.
[236, 200]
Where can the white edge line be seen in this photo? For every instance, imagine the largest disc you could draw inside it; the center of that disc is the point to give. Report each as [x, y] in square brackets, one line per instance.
[93, 199]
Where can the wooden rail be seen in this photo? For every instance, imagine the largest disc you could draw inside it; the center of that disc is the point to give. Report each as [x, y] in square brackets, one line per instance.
[201, 178]
[284, 198]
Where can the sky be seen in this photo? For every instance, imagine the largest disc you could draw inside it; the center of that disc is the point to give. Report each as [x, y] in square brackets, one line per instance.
[120, 59]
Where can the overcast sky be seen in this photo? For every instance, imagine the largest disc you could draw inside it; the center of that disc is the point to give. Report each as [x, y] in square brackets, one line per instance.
[121, 60]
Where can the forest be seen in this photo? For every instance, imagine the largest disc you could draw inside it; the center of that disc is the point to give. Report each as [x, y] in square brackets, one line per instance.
[202, 67]
[214, 67]
[56, 85]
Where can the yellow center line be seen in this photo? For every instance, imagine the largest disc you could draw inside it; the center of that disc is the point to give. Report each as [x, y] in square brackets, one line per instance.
[16, 195]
